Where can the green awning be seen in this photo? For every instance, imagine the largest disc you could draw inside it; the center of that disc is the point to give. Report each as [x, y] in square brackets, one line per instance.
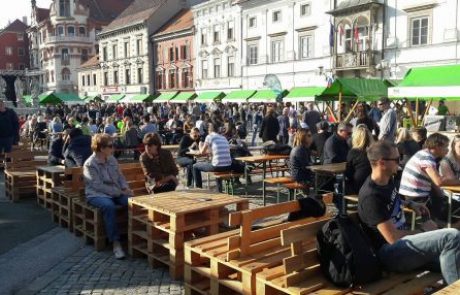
[301, 94]
[140, 98]
[238, 96]
[49, 98]
[267, 96]
[437, 82]
[95, 97]
[165, 97]
[69, 98]
[27, 99]
[114, 98]
[183, 97]
[209, 96]
[355, 88]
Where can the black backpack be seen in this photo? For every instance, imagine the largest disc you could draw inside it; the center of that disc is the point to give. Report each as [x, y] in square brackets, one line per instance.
[345, 254]
[277, 149]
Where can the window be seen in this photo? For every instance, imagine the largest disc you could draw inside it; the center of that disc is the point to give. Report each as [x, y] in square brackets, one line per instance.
[204, 69]
[128, 76]
[84, 55]
[230, 31]
[65, 58]
[203, 37]
[9, 50]
[88, 80]
[71, 31]
[114, 51]
[160, 79]
[171, 54]
[21, 51]
[172, 78]
[216, 35]
[60, 31]
[276, 16]
[306, 46]
[22, 67]
[115, 77]
[82, 79]
[305, 9]
[184, 52]
[252, 22]
[82, 31]
[64, 8]
[104, 53]
[231, 66]
[139, 46]
[126, 49]
[185, 78]
[9, 66]
[106, 78]
[20, 37]
[140, 75]
[419, 31]
[65, 74]
[277, 47]
[94, 80]
[217, 65]
[253, 52]
[348, 39]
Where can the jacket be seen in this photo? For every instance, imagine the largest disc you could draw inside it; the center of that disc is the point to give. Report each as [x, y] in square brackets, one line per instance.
[335, 150]
[160, 167]
[269, 129]
[78, 150]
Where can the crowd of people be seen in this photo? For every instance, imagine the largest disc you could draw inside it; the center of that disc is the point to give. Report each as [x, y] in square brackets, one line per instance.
[387, 165]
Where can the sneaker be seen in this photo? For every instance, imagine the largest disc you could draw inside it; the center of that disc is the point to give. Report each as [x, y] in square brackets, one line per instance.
[119, 253]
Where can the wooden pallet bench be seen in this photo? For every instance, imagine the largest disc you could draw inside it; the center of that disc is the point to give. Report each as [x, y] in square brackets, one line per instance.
[228, 180]
[48, 177]
[229, 262]
[452, 289]
[300, 273]
[160, 224]
[20, 179]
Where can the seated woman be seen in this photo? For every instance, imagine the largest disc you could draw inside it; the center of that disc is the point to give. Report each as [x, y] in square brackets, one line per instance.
[105, 187]
[55, 156]
[188, 142]
[358, 167]
[300, 157]
[407, 146]
[158, 165]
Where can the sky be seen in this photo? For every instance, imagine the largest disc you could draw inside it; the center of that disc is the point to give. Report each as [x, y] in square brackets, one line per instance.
[17, 9]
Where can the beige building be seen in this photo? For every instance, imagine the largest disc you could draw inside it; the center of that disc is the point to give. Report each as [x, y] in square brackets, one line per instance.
[88, 78]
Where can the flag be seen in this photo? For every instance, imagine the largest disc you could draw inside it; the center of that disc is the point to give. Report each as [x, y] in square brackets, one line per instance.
[356, 35]
[331, 35]
[329, 80]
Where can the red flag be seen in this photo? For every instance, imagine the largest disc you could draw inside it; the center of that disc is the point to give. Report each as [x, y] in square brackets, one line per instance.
[341, 33]
[356, 35]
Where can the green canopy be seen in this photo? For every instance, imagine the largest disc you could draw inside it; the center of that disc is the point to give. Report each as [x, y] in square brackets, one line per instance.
[238, 96]
[49, 97]
[69, 98]
[95, 97]
[140, 98]
[165, 97]
[301, 94]
[183, 97]
[27, 99]
[210, 96]
[114, 98]
[267, 96]
[426, 83]
[355, 88]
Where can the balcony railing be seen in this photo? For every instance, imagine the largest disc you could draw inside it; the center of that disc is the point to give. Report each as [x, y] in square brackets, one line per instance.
[56, 39]
[354, 59]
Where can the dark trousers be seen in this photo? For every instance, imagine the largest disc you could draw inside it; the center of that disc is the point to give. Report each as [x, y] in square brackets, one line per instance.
[207, 167]
[187, 163]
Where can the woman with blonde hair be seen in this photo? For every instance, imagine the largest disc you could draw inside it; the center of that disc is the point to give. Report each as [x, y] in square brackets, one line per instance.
[407, 146]
[300, 158]
[358, 167]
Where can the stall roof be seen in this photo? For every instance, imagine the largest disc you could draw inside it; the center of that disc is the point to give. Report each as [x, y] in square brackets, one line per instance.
[69, 97]
[165, 97]
[141, 98]
[355, 88]
[300, 94]
[49, 98]
[114, 98]
[183, 97]
[238, 96]
[267, 96]
[209, 96]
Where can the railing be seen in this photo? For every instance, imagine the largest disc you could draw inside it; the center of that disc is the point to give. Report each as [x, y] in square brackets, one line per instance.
[354, 59]
[53, 39]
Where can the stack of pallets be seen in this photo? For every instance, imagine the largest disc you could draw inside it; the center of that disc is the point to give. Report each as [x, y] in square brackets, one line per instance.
[48, 177]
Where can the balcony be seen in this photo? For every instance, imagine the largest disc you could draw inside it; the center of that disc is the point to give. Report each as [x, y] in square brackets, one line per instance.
[65, 39]
[354, 60]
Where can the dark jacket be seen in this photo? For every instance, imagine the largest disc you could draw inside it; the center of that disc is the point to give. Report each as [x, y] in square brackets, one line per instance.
[335, 150]
[184, 145]
[78, 150]
[319, 139]
[358, 169]
[406, 150]
[160, 167]
[9, 123]
[269, 129]
[55, 155]
[299, 159]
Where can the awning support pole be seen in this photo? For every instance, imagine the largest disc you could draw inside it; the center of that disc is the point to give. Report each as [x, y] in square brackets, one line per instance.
[351, 111]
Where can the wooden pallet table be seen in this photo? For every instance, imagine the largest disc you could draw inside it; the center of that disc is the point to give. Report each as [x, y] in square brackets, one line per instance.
[48, 177]
[20, 179]
[452, 289]
[160, 224]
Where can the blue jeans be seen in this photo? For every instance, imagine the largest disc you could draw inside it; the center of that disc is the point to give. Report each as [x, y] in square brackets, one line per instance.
[108, 207]
[188, 163]
[440, 247]
[6, 144]
[207, 167]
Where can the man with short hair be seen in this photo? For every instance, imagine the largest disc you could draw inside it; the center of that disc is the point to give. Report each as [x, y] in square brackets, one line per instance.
[336, 147]
[283, 121]
[382, 217]
[388, 121]
[9, 128]
[311, 117]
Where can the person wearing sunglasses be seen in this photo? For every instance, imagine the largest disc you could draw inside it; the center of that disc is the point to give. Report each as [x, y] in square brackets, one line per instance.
[105, 187]
[383, 221]
[336, 147]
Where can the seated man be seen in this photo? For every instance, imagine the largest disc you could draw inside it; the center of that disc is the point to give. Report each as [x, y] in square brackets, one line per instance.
[336, 146]
[380, 211]
[158, 165]
[220, 156]
[106, 187]
[188, 143]
[421, 181]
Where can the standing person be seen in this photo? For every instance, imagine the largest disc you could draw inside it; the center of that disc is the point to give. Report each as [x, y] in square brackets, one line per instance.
[319, 139]
[443, 110]
[283, 121]
[293, 126]
[380, 211]
[336, 147]
[257, 122]
[9, 128]
[311, 117]
[374, 113]
[270, 126]
[106, 188]
[188, 143]
[388, 122]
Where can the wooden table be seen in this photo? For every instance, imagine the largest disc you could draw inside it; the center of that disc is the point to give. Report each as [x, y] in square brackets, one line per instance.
[48, 177]
[452, 289]
[171, 147]
[333, 170]
[450, 191]
[262, 159]
[160, 224]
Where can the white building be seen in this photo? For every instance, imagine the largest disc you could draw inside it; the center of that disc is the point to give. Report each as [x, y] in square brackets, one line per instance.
[217, 45]
[89, 78]
[289, 39]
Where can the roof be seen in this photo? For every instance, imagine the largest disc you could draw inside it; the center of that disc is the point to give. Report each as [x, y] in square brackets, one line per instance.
[16, 26]
[348, 6]
[42, 14]
[94, 61]
[105, 10]
[356, 88]
[181, 21]
[139, 11]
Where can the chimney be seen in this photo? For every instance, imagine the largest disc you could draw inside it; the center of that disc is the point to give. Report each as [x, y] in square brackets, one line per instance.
[24, 20]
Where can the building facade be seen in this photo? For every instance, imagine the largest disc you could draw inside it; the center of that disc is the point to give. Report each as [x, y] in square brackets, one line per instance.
[89, 78]
[63, 37]
[14, 57]
[218, 45]
[174, 57]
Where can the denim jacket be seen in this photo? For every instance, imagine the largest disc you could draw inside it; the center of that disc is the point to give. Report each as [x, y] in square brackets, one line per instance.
[103, 179]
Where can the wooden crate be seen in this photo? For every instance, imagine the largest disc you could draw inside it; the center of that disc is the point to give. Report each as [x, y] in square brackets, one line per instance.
[88, 224]
[159, 225]
[229, 262]
[48, 177]
[20, 179]
[62, 206]
[300, 273]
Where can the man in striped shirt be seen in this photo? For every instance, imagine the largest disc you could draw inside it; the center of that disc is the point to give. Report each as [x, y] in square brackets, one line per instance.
[220, 156]
[421, 181]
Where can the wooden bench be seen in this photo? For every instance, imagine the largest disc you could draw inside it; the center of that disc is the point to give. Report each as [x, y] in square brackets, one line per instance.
[278, 181]
[21, 179]
[300, 273]
[228, 262]
[228, 179]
